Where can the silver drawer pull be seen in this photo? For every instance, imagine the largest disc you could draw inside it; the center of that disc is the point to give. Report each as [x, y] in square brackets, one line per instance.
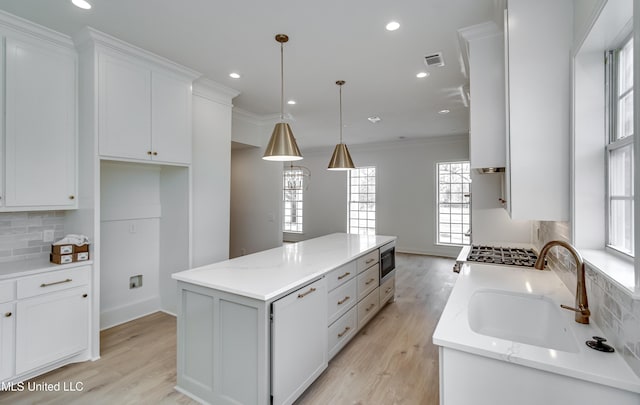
[370, 307]
[345, 299]
[302, 295]
[370, 281]
[343, 276]
[57, 282]
[370, 260]
[346, 329]
[388, 290]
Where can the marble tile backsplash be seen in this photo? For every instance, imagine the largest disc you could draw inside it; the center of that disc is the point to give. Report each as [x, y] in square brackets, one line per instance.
[21, 233]
[612, 308]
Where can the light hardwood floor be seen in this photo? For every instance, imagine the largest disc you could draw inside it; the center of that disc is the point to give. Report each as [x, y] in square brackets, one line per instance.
[390, 361]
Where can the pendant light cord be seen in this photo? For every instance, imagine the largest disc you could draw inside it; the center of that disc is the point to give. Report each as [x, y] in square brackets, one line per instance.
[281, 81]
[340, 113]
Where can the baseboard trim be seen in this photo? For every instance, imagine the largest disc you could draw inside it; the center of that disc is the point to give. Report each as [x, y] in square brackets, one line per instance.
[126, 313]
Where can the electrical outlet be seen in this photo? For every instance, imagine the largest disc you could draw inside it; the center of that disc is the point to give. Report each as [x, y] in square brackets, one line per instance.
[47, 236]
[135, 281]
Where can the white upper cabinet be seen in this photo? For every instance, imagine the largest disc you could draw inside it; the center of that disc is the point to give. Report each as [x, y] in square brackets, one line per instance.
[171, 118]
[144, 104]
[40, 137]
[125, 108]
[484, 46]
[538, 38]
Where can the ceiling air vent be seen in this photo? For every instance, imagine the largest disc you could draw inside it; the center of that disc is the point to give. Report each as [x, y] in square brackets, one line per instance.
[435, 59]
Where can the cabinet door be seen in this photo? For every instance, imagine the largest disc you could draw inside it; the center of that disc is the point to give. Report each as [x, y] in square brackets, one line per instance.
[40, 125]
[124, 117]
[51, 327]
[298, 341]
[7, 343]
[171, 119]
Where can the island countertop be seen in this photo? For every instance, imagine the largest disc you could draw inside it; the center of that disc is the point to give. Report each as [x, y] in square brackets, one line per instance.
[272, 273]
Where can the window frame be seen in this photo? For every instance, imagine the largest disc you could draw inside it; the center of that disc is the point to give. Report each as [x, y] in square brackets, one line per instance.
[299, 192]
[613, 142]
[466, 235]
[349, 202]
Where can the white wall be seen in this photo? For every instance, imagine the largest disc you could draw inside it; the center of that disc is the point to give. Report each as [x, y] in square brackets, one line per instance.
[211, 181]
[256, 199]
[406, 199]
[130, 236]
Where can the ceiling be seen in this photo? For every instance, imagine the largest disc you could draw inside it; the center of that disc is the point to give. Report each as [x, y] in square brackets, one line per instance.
[329, 40]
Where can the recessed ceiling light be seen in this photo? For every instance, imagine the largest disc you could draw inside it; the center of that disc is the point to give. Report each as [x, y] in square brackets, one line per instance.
[445, 111]
[234, 75]
[392, 26]
[292, 102]
[422, 74]
[82, 4]
[374, 119]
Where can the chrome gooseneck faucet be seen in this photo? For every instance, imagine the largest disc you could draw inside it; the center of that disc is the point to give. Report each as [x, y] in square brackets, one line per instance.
[582, 305]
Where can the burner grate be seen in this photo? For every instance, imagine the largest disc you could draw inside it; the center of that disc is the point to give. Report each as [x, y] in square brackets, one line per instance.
[502, 255]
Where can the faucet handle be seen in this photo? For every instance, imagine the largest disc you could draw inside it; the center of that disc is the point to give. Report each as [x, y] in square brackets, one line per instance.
[581, 309]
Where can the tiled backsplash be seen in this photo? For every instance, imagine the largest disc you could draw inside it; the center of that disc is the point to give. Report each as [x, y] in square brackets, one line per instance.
[612, 308]
[21, 233]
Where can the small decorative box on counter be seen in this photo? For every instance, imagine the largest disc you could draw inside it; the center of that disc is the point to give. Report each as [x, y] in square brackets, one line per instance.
[62, 254]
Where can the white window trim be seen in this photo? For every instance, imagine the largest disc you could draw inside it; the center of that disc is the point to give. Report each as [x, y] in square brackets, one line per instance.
[437, 205]
[588, 166]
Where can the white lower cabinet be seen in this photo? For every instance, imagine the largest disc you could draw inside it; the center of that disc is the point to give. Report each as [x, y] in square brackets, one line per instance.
[368, 307]
[341, 331]
[7, 342]
[387, 290]
[51, 327]
[299, 341]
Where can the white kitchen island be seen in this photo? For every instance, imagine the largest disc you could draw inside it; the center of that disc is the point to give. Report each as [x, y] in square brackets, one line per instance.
[256, 330]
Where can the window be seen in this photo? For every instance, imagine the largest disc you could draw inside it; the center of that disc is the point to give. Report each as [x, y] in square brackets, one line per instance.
[292, 192]
[620, 157]
[362, 201]
[454, 209]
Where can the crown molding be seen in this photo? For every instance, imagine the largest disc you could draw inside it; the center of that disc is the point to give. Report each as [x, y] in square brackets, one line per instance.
[259, 120]
[214, 91]
[26, 27]
[88, 37]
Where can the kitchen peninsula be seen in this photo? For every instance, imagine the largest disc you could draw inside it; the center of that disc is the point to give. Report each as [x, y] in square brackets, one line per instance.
[259, 329]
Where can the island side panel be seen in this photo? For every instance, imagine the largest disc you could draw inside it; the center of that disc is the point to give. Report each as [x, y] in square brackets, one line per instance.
[223, 346]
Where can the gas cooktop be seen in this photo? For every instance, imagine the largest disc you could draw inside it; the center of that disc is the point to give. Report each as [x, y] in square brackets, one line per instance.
[502, 255]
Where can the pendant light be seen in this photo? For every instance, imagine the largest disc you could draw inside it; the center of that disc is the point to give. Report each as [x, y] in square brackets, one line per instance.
[341, 159]
[282, 146]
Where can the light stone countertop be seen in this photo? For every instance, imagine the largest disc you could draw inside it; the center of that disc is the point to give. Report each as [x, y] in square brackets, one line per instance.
[453, 330]
[272, 273]
[34, 266]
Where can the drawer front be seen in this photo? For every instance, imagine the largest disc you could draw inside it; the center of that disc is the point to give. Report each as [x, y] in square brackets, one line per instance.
[341, 275]
[341, 331]
[368, 281]
[341, 299]
[368, 260]
[367, 308]
[7, 291]
[387, 290]
[53, 281]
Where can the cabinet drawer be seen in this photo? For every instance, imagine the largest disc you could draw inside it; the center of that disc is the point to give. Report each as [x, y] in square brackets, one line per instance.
[7, 291]
[387, 290]
[366, 261]
[341, 299]
[341, 275]
[53, 281]
[367, 308]
[368, 281]
[341, 331]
